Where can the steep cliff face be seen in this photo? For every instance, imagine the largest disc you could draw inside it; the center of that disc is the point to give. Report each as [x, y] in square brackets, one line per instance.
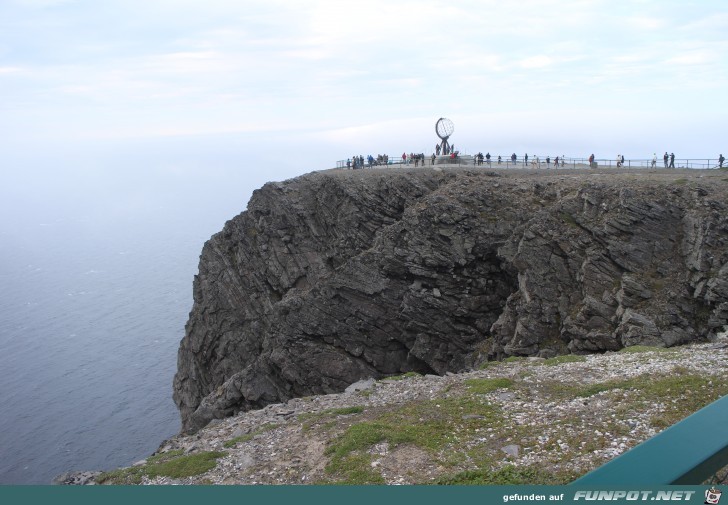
[337, 276]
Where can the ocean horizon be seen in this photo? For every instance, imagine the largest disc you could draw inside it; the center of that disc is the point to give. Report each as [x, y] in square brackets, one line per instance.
[97, 287]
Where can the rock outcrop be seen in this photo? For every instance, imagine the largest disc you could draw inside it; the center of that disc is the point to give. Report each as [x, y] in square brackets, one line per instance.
[339, 276]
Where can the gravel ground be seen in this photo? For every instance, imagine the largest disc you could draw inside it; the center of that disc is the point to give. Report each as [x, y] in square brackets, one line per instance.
[562, 418]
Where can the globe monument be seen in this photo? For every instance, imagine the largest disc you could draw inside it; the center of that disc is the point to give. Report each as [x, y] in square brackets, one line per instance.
[444, 128]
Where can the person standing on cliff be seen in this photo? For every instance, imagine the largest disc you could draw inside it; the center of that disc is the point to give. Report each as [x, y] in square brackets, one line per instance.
[525, 160]
[665, 157]
[654, 160]
[433, 158]
[672, 160]
[591, 161]
[404, 158]
[721, 159]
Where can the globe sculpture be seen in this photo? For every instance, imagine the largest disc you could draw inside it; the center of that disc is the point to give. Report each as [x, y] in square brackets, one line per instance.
[444, 128]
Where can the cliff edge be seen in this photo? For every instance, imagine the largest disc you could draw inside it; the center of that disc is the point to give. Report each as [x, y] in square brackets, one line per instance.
[337, 276]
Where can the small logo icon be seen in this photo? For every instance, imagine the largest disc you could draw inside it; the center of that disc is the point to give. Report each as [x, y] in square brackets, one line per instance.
[712, 496]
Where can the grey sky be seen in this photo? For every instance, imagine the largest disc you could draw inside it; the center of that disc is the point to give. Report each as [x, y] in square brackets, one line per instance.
[547, 76]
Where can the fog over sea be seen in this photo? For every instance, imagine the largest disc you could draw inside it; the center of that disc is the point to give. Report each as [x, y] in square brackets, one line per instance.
[98, 248]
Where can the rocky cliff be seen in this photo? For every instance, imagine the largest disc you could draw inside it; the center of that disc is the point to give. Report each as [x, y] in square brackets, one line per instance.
[342, 275]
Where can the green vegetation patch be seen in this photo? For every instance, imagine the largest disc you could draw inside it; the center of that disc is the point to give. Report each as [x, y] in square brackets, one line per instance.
[310, 418]
[239, 440]
[356, 469]
[345, 411]
[431, 425]
[514, 359]
[488, 364]
[170, 464]
[330, 412]
[483, 386]
[567, 358]
[693, 391]
[249, 436]
[654, 387]
[509, 475]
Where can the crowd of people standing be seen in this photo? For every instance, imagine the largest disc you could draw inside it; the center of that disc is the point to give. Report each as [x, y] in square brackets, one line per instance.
[665, 159]
[356, 162]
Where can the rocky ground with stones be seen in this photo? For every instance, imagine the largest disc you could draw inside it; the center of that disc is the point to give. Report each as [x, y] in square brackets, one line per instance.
[522, 420]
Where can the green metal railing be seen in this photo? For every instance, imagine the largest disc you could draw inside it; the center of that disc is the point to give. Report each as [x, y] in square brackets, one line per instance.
[688, 453]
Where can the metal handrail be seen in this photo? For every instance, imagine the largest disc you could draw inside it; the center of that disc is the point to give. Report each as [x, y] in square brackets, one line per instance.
[691, 163]
[689, 452]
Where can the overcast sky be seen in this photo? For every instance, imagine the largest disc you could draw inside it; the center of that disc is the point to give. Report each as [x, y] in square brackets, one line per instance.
[544, 76]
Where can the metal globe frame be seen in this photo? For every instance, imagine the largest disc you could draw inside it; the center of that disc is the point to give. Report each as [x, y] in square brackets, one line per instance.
[444, 128]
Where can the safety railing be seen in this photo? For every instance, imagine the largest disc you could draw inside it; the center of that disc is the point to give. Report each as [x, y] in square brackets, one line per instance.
[540, 162]
[689, 452]
[693, 163]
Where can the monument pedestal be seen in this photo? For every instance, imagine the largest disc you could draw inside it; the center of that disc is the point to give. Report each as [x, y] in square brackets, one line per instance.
[465, 159]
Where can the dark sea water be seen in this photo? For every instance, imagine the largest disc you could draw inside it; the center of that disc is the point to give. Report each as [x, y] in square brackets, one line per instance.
[98, 249]
[91, 314]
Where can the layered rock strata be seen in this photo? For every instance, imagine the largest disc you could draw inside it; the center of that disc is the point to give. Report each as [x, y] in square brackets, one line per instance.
[337, 276]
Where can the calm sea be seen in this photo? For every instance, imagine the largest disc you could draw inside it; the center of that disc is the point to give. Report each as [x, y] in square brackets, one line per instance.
[98, 250]
[91, 314]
